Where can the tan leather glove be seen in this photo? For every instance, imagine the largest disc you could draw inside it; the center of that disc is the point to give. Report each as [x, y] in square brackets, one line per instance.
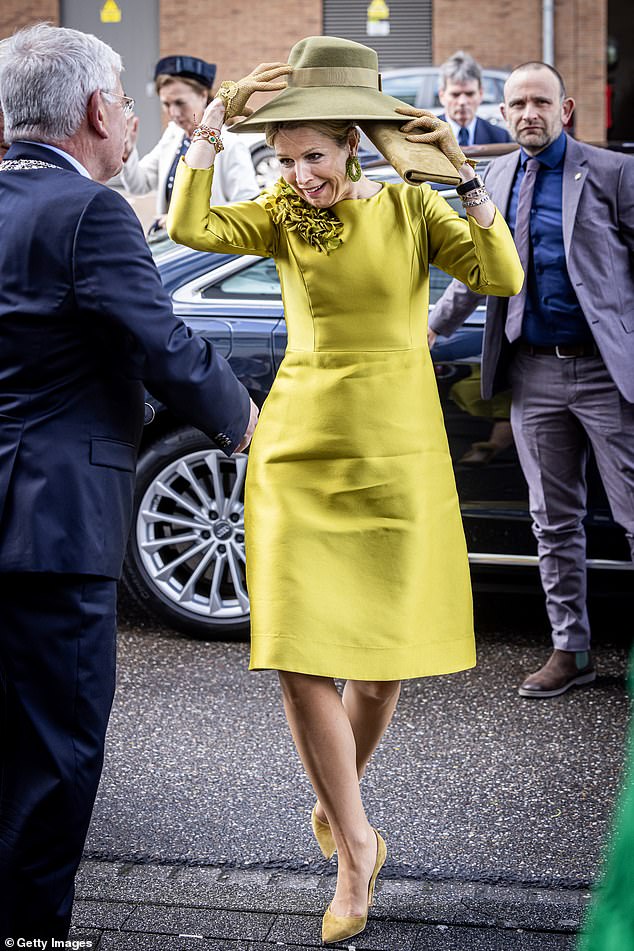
[264, 78]
[428, 128]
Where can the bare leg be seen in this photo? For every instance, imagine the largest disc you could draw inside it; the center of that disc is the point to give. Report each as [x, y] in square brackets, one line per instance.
[326, 743]
[370, 706]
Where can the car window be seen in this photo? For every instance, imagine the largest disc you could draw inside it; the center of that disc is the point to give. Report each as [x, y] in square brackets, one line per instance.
[493, 90]
[160, 244]
[257, 281]
[429, 92]
[404, 88]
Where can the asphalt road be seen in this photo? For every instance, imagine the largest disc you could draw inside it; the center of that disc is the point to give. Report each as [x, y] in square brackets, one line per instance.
[471, 784]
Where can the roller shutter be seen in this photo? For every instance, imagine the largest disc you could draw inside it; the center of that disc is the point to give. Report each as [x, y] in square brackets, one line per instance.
[409, 39]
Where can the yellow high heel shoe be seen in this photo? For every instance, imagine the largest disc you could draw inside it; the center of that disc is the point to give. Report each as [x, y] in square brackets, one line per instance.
[323, 834]
[338, 928]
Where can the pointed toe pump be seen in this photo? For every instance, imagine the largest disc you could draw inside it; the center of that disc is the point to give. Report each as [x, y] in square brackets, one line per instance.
[339, 927]
[323, 834]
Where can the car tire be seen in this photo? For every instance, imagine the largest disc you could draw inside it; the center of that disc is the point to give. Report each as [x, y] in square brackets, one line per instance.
[185, 561]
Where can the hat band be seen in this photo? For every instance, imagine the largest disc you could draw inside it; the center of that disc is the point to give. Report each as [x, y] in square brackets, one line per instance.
[334, 76]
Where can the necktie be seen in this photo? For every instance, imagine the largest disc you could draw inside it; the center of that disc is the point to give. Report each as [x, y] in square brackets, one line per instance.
[171, 175]
[522, 236]
[463, 136]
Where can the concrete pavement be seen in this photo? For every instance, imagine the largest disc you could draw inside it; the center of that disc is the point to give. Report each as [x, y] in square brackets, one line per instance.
[170, 908]
[495, 809]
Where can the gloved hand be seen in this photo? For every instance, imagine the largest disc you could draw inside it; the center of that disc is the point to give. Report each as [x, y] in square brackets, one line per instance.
[428, 128]
[264, 78]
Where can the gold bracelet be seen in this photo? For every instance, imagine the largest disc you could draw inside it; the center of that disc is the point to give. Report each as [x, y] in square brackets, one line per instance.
[210, 135]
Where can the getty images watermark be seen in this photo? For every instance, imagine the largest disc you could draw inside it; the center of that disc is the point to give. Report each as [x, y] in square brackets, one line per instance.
[45, 944]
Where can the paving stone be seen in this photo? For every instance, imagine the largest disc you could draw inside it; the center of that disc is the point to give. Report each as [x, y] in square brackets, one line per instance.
[202, 922]
[101, 914]
[478, 904]
[446, 938]
[378, 936]
[240, 889]
[118, 942]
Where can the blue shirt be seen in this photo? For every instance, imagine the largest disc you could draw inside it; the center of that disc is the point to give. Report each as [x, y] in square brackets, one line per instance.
[552, 314]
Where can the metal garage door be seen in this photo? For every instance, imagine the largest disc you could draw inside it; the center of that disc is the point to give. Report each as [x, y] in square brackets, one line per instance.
[408, 42]
[131, 27]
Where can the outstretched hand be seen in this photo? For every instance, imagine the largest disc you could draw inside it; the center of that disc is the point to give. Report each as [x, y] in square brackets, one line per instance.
[254, 412]
[131, 132]
[427, 128]
[264, 78]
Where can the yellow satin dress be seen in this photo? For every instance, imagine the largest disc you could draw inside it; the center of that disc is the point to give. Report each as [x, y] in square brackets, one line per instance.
[356, 558]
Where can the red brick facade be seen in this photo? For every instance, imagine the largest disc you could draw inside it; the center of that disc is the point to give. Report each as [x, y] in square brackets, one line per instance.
[15, 14]
[507, 39]
[238, 34]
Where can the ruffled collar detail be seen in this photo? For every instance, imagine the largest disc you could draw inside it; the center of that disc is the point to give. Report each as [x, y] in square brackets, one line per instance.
[319, 227]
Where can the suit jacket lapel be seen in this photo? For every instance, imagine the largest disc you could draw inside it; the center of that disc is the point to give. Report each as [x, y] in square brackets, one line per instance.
[574, 176]
[504, 170]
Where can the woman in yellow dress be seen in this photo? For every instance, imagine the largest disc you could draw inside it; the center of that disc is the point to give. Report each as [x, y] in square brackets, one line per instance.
[356, 559]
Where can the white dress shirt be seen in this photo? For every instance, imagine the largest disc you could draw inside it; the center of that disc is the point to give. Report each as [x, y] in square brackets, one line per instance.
[69, 158]
[456, 128]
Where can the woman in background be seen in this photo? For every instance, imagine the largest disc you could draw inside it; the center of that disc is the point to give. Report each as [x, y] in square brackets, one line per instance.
[183, 85]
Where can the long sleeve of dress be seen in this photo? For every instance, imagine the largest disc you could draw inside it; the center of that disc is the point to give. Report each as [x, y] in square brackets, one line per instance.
[496, 269]
[242, 228]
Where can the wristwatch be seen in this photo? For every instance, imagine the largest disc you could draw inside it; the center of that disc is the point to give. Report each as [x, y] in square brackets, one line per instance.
[470, 186]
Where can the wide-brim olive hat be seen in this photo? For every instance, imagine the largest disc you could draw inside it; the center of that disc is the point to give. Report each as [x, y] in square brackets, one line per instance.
[332, 78]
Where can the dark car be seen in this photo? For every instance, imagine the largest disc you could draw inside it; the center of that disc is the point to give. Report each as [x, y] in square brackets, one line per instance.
[418, 86]
[186, 560]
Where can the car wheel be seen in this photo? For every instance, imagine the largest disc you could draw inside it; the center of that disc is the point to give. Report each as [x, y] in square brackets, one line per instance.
[267, 167]
[185, 560]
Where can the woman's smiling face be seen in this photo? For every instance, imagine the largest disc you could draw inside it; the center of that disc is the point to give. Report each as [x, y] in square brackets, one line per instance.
[314, 165]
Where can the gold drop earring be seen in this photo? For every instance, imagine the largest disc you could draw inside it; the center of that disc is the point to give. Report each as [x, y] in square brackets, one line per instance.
[353, 168]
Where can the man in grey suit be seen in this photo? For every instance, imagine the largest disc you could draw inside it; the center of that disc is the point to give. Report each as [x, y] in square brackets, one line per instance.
[564, 344]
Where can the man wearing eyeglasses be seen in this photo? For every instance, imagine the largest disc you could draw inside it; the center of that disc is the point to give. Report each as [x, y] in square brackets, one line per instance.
[85, 325]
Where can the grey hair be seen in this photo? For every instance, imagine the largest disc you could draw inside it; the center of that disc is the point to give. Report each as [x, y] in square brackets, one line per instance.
[460, 68]
[336, 129]
[47, 75]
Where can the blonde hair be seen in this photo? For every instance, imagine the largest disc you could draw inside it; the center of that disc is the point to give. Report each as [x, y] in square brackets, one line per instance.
[336, 129]
[165, 79]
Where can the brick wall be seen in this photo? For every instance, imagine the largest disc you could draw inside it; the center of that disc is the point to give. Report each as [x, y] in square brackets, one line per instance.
[14, 14]
[237, 34]
[503, 36]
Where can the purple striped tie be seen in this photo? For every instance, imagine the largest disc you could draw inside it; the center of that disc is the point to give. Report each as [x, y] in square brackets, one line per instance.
[522, 236]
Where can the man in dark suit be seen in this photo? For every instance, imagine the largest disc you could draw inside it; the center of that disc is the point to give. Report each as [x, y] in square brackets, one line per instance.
[565, 344]
[84, 323]
[4, 146]
[460, 93]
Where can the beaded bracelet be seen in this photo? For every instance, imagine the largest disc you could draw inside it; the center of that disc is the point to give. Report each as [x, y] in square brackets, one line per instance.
[474, 193]
[476, 201]
[209, 135]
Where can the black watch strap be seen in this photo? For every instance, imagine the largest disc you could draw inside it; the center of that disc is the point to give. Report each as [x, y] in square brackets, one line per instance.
[470, 186]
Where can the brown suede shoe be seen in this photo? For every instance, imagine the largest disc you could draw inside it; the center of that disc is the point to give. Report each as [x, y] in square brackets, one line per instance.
[562, 670]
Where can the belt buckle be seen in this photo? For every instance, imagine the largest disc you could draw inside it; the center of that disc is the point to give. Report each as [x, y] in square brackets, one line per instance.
[563, 356]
